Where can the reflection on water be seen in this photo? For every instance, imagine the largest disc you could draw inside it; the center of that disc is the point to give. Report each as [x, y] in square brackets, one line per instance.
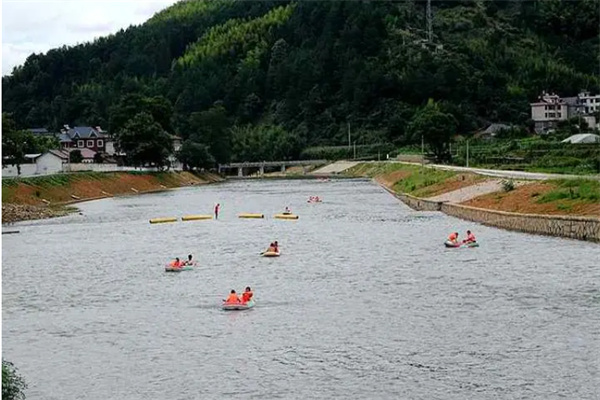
[364, 301]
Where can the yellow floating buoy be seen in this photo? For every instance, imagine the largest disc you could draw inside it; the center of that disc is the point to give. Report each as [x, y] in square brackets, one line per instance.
[195, 217]
[249, 215]
[162, 220]
[286, 216]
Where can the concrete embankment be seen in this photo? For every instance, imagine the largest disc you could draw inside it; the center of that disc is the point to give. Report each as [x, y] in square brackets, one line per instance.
[582, 228]
[47, 196]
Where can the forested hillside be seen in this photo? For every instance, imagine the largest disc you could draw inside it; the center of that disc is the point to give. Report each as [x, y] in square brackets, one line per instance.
[265, 79]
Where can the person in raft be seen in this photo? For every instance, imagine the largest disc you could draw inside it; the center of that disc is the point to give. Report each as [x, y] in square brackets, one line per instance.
[217, 210]
[247, 295]
[453, 237]
[287, 211]
[470, 238]
[233, 297]
[176, 263]
[276, 246]
[189, 261]
[272, 248]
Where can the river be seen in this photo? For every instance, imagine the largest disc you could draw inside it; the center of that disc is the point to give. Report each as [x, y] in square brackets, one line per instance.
[364, 302]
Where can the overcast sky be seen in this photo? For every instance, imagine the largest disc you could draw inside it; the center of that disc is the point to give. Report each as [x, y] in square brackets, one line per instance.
[34, 26]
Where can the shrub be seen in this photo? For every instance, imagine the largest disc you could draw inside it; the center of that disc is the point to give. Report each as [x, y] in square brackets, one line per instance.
[13, 386]
[508, 185]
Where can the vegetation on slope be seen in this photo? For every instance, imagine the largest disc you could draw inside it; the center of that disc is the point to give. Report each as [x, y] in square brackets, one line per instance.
[227, 74]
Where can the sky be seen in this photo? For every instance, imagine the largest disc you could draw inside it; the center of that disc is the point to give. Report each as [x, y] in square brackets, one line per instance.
[34, 26]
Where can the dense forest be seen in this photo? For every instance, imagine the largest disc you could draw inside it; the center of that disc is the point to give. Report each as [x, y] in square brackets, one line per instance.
[260, 80]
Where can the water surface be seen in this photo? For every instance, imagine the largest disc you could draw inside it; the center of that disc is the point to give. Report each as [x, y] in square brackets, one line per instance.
[364, 302]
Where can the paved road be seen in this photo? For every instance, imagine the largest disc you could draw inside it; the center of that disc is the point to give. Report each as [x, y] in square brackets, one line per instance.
[537, 176]
[335, 168]
[476, 190]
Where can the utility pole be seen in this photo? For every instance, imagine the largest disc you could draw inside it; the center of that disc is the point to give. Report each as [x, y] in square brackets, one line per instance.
[355, 149]
[349, 142]
[467, 153]
[422, 151]
[429, 23]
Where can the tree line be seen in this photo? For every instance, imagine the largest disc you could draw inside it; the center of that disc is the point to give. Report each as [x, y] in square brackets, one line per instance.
[249, 81]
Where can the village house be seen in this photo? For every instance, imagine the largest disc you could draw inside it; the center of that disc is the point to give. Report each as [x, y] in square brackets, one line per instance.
[86, 137]
[551, 108]
[42, 132]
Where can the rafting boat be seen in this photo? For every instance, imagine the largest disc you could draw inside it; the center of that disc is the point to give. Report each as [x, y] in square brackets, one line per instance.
[270, 254]
[448, 243]
[238, 306]
[168, 268]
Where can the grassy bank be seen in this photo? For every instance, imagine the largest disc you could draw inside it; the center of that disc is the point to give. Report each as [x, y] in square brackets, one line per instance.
[558, 197]
[579, 197]
[414, 180]
[46, 196]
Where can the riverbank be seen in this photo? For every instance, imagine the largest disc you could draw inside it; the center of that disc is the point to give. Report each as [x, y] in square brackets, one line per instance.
[567, 208]
[49, 196]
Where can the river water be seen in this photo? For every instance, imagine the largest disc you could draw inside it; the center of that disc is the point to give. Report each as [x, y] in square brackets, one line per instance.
[364, 302]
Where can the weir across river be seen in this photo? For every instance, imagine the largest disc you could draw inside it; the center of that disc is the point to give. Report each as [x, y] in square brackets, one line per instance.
[261, 165]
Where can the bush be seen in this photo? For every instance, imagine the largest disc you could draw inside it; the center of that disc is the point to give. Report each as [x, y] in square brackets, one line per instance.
[508, 185]
[345, 152]
[76, 156]
[13, 386]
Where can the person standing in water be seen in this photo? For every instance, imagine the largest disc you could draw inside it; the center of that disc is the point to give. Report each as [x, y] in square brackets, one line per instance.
[217, 210]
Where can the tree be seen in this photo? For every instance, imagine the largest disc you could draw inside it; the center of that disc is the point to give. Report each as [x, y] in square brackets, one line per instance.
[75, 156]
[13, 143]
[435, 127]
[13, 385]
[131, 104]
[212, 127]
[144, 141]
[195, 155]
[98, 159]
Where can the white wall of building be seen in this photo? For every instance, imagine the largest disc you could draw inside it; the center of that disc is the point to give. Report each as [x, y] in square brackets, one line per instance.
[591, 103]
[549, 112]
[9, 171]
[48, 163]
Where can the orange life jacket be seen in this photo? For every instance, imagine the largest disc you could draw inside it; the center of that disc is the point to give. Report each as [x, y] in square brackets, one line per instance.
[452, 237]
[233, 298]
[174, 263]
[246, 296]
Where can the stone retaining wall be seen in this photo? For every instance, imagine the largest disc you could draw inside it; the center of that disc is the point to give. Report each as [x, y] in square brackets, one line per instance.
[419, 204]
[415, 203]
[582, 228]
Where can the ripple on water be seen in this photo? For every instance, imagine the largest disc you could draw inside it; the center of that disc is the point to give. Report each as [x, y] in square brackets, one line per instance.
[364, 301]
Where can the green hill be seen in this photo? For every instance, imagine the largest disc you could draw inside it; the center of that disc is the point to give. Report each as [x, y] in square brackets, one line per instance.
[267, 79]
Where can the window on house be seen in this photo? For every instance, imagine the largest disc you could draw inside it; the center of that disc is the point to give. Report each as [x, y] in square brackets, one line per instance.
[90, 143]
[552, 115]
[80, 143]
[559, 115]
[100, 143]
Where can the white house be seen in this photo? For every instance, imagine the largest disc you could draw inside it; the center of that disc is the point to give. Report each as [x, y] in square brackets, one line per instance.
[590, 103]
[551, 108]
[50, 162]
